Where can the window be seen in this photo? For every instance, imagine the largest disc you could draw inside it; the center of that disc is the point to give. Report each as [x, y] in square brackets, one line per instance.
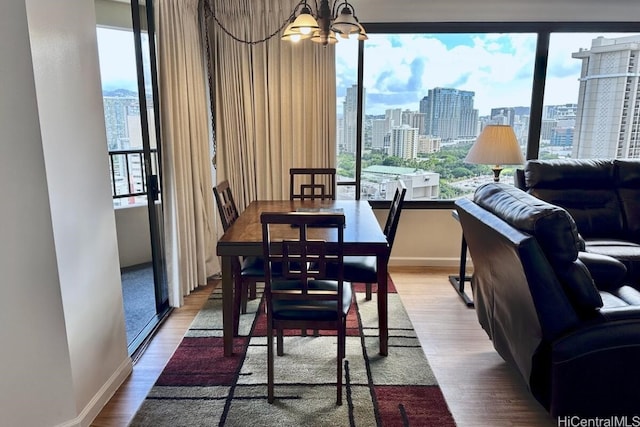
[591, 96]
[122, 115]
[425, 97]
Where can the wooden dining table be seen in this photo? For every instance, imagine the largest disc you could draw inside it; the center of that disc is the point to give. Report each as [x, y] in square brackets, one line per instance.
[362, 237]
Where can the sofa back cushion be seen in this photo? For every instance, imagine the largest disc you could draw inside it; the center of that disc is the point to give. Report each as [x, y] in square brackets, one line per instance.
[587, 189]
[552, 226]
[627, 176]
[555, 232]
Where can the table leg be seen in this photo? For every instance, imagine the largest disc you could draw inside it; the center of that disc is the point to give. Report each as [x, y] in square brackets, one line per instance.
[227, 305]
[383, 318]
[458, 281]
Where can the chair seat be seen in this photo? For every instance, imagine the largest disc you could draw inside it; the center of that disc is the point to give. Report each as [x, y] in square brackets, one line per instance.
[252, 267]
[358, 269]
[309, 310]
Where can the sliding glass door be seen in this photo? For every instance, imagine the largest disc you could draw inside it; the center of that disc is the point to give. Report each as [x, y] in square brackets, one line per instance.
[127, 62]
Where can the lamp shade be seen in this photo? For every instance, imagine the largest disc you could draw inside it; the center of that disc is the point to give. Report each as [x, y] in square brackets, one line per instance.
[496, 145]
[305, 23]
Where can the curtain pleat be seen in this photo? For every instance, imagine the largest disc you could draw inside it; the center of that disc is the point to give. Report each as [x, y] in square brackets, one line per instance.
[190, 232]
[274, 102]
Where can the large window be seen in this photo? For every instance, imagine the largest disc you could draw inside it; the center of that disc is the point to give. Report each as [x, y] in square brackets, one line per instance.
[122, 115]
[424, 98]
[592, 96]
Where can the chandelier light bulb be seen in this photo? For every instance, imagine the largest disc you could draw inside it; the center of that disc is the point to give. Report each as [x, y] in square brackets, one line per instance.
[325, 24]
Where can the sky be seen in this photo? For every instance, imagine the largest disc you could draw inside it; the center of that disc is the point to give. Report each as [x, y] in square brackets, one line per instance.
[117, 59]
[400, 69]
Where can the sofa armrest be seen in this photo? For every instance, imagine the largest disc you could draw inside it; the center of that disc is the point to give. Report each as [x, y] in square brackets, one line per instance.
[595, 370]
[607, 272]
[615, 314]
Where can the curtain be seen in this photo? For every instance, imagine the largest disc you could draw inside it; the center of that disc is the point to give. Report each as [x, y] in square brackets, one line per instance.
[274, 102]
[190, 232]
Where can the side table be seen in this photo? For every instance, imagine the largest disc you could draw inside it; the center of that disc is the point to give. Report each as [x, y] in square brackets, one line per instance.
[458, 281]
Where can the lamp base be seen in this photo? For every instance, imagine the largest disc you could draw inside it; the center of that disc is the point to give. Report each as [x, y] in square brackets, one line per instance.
[496, 173]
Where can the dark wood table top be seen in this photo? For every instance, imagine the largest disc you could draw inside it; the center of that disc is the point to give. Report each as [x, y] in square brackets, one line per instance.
[362, 234]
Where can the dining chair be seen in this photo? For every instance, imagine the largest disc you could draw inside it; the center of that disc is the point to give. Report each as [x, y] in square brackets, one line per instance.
[363, 269]
[312, 184]
[300, 296]
[247, 271]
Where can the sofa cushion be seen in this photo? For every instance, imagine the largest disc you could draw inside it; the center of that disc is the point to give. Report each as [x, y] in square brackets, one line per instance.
[607, 272]
[627, 252]
[585, 188]
[552, 226]
[627, 174]
[580, 288]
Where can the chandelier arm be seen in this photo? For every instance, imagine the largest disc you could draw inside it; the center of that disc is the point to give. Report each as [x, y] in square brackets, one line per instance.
[211, 12]
[335, 7]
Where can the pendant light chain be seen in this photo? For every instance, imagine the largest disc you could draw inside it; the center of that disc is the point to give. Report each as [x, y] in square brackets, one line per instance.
[211, 13]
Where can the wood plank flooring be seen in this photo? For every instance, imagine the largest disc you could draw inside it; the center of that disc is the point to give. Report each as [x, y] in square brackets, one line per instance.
[480, 389]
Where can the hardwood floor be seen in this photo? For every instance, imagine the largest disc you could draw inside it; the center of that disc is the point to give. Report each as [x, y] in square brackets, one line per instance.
[480, 389]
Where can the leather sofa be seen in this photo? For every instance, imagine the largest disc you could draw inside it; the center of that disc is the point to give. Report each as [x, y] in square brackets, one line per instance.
[563, 318]
[602, 196]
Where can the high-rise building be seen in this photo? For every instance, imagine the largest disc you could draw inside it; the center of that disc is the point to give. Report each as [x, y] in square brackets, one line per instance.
[503, 116]
[379, 130]
[559, 112]
[350, 120]
[117, 110]
[428, 144]
[608, 99]
[414, 119]
[404, 142]
[449, 113]
[393, 117]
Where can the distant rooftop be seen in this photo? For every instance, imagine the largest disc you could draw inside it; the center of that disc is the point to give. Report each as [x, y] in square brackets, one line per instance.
[391, 170]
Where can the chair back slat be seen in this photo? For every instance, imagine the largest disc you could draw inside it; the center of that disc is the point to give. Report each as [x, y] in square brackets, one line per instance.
[302, 259]
[226, 204]
[393, 218]
[312, 184]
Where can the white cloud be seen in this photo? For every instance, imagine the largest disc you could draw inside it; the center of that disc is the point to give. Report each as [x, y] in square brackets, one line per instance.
[497, 67]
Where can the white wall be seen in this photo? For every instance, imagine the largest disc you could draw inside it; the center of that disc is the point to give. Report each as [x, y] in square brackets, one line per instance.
[35, 361]
[429, 238]
[134, 240]
[63, 337]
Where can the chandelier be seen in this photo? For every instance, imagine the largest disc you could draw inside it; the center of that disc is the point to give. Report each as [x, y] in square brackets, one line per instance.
[323, 26]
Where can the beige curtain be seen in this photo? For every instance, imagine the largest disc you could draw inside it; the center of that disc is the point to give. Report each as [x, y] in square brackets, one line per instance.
[274, 103]
[186, 149]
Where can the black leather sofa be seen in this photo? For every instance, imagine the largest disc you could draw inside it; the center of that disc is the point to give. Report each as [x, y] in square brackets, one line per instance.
[602, 196]
[563, 318]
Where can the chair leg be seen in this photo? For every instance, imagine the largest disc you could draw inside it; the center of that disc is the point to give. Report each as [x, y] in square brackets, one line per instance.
[243, 297]
[367, 287]
[270, 380]
[252, 290]
[237, 306]
[341, 352]
[279, 341]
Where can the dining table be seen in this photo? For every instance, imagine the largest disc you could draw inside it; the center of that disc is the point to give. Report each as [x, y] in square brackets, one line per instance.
[363, 236]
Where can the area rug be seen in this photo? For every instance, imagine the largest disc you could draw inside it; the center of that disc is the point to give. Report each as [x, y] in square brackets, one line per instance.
[201, 387]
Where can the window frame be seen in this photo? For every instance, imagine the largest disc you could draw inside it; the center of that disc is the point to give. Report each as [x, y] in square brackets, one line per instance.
[543, 31]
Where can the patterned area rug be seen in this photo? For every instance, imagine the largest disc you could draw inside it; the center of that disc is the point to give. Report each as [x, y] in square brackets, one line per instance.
[201, 387]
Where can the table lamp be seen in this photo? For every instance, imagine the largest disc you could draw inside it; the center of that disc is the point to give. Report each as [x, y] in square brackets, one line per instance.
[497, 145]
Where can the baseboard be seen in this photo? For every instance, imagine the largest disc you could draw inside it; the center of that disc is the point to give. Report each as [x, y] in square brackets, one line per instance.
[426, 262]
[102, 397]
